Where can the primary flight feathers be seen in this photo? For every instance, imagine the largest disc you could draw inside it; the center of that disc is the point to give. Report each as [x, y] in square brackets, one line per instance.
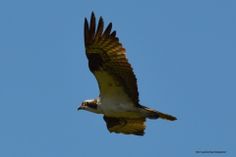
[105, 53]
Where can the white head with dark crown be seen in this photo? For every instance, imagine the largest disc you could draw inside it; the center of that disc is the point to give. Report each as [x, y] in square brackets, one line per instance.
[90, 105]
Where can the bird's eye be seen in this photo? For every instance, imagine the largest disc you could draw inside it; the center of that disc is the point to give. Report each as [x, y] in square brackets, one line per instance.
[92, 105]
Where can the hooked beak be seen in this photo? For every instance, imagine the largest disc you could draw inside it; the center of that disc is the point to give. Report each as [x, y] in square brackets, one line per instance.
[81, 107]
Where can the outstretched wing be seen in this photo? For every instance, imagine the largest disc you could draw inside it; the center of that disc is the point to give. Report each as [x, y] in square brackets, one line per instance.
[108, 62]
[125, 126]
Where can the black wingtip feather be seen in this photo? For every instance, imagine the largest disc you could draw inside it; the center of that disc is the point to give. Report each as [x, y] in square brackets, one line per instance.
[113, 34]
[99, 28]
[92, 25]
[92, 14]
[86, 30]
[108, 29]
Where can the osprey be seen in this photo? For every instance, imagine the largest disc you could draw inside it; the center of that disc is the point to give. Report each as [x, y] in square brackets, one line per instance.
[118, 100]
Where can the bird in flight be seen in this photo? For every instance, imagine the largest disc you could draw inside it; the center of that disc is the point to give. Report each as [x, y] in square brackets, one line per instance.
[118, 100]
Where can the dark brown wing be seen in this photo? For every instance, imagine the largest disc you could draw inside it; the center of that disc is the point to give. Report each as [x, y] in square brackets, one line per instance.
[125, 126]
[107, 60]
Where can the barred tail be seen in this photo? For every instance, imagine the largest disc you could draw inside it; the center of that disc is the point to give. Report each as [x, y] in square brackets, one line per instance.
[153, 114]
[166, 116]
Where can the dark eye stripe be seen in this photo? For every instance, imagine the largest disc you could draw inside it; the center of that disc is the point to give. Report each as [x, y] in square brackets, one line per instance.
[92, 105]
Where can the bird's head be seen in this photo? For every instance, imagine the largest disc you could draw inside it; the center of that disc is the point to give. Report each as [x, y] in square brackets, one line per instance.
[89, 105]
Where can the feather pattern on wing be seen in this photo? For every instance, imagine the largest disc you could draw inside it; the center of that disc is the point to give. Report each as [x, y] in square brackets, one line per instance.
[125, 126]
[107, 56]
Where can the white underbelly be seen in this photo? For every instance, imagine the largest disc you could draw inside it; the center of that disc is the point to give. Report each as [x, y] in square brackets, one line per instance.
[113, 100]
[119, 109]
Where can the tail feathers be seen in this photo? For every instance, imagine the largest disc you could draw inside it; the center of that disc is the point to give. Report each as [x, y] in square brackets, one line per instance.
[166, 116]
[152, 114]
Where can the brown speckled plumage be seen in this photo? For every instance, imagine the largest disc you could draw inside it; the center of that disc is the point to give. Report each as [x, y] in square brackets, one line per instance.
[105, 53]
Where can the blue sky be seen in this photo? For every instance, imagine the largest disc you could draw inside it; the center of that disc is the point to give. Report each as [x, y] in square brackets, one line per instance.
[183, 53]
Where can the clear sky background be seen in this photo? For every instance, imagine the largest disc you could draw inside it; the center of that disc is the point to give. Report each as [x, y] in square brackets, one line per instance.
[184, 56]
